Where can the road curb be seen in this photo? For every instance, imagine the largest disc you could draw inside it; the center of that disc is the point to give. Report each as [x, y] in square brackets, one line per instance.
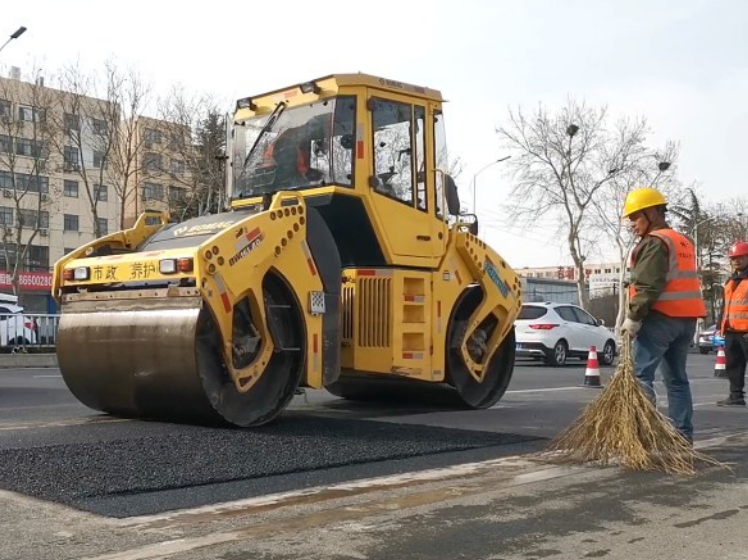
[11, 361]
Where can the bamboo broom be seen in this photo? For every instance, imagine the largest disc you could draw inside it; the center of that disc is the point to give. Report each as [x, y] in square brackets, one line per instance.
[622, 426]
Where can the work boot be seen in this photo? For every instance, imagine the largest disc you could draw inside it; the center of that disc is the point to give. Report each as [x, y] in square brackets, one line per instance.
[732, 401]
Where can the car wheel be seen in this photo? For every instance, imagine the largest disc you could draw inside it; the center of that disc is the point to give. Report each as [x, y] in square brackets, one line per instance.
[703, 350]
[557, 356]
[609, 353]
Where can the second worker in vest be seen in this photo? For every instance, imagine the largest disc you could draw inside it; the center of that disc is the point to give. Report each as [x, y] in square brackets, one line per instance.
[665, 301]
[734, 324]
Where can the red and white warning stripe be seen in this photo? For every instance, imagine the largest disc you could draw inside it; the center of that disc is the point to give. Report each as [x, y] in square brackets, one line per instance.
[309, 260]
[456, 271]
[373, 273]
[247, 239]
[315, 352]
[223, 292]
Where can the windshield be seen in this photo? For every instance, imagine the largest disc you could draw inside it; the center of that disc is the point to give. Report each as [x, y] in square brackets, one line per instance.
[295, 148]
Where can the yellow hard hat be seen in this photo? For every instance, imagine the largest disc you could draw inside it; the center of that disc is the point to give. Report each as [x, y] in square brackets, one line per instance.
[639, 199]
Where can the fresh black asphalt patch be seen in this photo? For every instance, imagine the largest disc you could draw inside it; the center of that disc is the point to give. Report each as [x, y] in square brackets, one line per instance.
[161, 467]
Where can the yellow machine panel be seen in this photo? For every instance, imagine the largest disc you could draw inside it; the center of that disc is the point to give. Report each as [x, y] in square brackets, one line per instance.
[341, 261]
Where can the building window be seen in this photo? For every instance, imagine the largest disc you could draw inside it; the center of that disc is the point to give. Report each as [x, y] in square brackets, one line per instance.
[6, 216]
[70, 222]
[103, 226]
[6, 144]
[6, 109]
[32, 219]
[177, 167]
[30, 114]
[152, 162]
[176, 195]
[24, 182]
[99, 161]
[153, 191]
[38, 258]
[152, 136]
[99, 127]
[71, 122]
[70, 188]
[71, 158]
[30, 148]
[101, 193]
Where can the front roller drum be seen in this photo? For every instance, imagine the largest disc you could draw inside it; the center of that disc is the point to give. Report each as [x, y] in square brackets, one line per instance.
[161, 359]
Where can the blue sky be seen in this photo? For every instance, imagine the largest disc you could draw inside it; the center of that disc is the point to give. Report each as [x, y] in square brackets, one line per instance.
[682, 64]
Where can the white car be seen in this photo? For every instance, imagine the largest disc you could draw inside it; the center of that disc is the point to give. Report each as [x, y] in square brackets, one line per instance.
[555, 332]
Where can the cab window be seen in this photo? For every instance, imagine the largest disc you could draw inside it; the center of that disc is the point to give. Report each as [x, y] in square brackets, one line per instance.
[442, 162]
[393, 150]
[420, 120]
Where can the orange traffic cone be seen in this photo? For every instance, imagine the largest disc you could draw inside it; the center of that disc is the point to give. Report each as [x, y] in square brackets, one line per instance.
[592, 373]
[720, 365]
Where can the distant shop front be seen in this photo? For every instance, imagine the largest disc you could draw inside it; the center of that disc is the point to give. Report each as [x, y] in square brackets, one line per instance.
[35, 290]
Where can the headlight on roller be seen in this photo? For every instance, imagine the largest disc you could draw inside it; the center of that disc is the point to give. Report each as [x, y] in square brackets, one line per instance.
[79, 273]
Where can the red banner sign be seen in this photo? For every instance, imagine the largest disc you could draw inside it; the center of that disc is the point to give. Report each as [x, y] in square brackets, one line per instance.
[27, 281]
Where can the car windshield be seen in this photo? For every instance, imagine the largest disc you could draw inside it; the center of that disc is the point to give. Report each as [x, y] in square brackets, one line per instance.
[295, 148]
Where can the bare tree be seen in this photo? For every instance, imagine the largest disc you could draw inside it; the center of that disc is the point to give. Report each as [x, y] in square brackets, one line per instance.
[25, 135]
[128, 97]
[196, 131]
[562, 162]
[89, 133]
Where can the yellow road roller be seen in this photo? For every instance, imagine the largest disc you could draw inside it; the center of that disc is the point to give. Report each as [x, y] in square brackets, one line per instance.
[342, 261]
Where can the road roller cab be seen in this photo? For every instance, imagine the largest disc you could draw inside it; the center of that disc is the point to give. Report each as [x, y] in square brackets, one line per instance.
[342, 262]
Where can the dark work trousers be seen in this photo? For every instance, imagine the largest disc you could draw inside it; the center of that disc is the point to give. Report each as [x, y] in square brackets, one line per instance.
[736, 359]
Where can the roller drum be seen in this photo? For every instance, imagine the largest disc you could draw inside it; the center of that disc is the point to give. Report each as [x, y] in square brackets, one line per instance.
[135, 358]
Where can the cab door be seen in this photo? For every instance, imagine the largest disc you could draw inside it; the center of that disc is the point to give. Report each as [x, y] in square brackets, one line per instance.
[402, 180]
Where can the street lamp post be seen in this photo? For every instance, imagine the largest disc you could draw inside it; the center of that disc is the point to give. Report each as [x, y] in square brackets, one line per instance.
[475, 178]
[15, 35]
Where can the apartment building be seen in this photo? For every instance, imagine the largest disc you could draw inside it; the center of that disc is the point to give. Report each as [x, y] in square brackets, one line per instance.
[61, 158]
[160, 178]
[602, 279]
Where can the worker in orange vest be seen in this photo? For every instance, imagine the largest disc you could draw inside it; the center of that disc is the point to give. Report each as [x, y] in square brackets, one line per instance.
[665, 302]
[733, 324]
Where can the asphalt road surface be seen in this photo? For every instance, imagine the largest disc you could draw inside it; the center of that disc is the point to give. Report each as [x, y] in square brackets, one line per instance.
[335, 479]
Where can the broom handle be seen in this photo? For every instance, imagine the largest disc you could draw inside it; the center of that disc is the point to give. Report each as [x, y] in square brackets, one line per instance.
[626, 353]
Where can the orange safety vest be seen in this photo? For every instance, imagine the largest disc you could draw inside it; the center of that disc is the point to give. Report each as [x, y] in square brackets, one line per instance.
[682, 294]
[735, 317]
[302, 159]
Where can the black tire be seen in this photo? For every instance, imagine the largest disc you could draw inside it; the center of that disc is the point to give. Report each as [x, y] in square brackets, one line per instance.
[499, 371]
[558, 355]
[608, 354]
[272, 393]
[703, 350]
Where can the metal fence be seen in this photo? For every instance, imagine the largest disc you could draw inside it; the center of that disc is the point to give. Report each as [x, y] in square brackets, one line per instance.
[28, 332]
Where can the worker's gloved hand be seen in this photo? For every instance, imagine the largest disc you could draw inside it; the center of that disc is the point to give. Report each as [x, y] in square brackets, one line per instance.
[745, 336]
[631, 327]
